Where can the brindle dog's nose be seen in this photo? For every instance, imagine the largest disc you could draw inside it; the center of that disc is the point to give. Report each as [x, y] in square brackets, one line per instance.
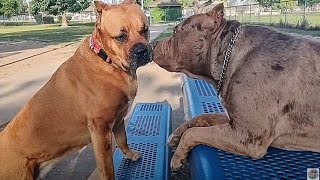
[140, 51]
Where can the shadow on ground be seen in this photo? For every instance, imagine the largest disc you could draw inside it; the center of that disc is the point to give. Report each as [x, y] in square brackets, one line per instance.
[20, 93]
[42, 36]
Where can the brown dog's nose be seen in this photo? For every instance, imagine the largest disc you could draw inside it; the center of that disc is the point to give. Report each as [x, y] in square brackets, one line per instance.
[140, 50]
[139, 55]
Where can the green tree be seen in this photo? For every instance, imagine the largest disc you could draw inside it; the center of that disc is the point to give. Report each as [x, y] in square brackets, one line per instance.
[60, 7]
[38, 6]
[187, 3]
[9, 7]
[147, 3]
[1, 5]
[266, 3]
[23, 9]
[157, 14]
[308, 2]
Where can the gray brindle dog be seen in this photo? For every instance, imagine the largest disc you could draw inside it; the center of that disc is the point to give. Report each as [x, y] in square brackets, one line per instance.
[269, 83]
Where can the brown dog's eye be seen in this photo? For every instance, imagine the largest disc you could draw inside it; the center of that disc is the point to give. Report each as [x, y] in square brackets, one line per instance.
[121, 38]
[144, 32]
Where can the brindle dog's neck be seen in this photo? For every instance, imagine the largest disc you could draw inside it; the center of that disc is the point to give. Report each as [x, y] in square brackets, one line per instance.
[220, 41]
[249, 38]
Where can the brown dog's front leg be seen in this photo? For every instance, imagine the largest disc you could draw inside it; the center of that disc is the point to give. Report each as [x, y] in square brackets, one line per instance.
[101, 137]
[203, 120]
[121, 140]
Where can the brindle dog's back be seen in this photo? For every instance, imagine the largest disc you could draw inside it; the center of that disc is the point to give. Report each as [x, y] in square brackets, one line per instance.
[279, 78]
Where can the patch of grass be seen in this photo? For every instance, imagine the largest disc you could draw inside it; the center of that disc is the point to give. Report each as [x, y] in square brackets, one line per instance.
[53, 34]
[164, 34]
[290, 18]
[169, 31]
[297, 31]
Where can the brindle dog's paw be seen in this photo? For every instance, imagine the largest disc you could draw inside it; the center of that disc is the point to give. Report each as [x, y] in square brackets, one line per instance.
[173, 140]
[133, 155]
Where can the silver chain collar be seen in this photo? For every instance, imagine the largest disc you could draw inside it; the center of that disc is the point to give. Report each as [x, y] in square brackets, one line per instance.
[227, 58]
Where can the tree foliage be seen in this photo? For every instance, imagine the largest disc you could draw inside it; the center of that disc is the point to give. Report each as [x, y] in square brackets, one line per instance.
[308, 2]
[38, 6]
[290, 4]
[187, 3]
[157, 14]
[56, 7]
[284, 4]
[9, 7]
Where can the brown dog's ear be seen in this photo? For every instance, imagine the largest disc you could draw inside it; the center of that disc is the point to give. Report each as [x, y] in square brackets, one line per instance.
[100, 6]
[217, 13]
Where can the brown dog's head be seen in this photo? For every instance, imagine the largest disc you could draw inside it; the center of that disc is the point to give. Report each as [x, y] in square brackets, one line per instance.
[123, 32]
[187, 49]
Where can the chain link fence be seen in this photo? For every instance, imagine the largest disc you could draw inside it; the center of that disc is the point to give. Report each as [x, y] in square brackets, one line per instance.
[287, 15]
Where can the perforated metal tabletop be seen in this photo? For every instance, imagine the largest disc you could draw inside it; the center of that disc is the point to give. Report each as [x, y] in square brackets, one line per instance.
[147, 132]
[209, 163]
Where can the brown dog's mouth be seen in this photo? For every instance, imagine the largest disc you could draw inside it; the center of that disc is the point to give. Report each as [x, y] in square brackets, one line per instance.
[125, 67]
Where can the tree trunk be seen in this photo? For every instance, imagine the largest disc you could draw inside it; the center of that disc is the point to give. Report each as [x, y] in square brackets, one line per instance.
[64, 20]
[199, 8]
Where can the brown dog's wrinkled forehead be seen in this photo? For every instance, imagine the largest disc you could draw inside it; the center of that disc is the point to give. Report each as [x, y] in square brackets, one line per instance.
[123, 17]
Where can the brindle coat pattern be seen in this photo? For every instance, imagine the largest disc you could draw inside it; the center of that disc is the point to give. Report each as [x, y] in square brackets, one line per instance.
[84, 101]
[271, 88]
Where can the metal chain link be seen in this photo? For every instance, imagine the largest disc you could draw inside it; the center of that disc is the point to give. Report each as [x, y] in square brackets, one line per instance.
[227, 58]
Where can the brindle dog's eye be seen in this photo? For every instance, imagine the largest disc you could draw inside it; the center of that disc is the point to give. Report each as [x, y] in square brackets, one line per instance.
[175, 29]
[121, 38]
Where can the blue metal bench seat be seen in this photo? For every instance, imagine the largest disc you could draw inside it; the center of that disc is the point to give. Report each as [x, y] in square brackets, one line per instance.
[147, 132]
[208, 163]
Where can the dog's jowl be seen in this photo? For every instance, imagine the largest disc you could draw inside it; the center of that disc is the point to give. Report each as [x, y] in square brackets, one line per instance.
[84, 101]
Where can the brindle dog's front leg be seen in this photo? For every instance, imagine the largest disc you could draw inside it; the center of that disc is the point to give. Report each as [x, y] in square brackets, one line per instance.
[203, 120]
[121, 140]
[101, 137]
[224, 137]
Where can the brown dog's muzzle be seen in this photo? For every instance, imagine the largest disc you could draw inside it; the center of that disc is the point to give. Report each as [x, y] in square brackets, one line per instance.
[140, 55]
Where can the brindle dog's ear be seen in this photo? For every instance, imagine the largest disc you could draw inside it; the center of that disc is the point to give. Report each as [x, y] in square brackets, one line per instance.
[217, 13]
[99, 7]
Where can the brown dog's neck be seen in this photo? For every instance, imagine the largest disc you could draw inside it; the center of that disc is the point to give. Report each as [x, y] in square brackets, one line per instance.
[103, 71]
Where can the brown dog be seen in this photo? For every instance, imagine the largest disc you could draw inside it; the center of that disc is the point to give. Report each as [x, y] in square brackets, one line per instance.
[270, 86]
[84, 101]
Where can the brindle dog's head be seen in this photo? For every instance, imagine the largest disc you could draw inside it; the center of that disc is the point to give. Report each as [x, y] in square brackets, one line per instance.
[187, 49]
[123, 32]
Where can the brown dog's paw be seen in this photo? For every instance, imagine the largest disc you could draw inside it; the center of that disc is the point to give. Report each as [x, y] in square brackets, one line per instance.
[173, 140]
[133, 155]
[177, 163]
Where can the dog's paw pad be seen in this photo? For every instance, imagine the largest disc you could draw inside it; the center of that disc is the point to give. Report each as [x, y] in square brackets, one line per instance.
[133, 156]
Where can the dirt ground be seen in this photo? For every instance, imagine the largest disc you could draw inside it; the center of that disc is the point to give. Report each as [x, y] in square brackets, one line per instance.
[25, 66]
